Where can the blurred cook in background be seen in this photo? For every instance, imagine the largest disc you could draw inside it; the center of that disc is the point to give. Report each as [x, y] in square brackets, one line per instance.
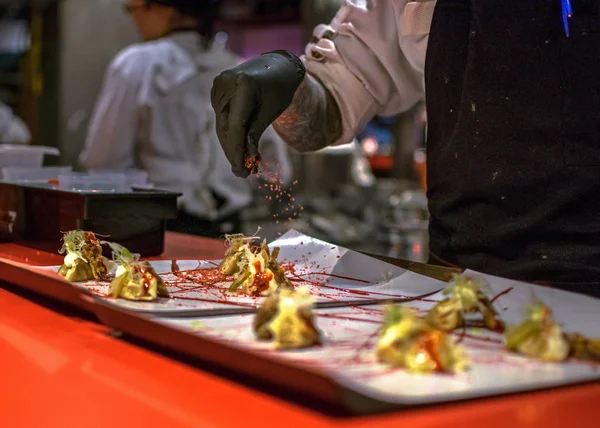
[154, 113]
[12, 129]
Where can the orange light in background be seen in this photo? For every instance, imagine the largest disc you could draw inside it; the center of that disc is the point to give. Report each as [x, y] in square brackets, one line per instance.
[420, 159]
[381, 163]
[370, 146]
[416, 248]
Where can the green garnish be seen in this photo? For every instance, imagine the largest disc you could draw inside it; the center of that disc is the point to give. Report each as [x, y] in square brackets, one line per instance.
[73, 242]
[393, 315]
[121, 255]
[235, 240]
[467, 290]
[239, 281]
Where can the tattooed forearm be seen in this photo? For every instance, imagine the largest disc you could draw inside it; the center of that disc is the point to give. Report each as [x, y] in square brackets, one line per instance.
[313, 120]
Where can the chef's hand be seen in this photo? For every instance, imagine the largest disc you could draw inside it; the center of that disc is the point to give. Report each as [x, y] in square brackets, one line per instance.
[248, 98]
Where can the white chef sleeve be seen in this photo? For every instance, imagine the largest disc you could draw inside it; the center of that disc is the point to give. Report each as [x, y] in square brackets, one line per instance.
[371, 58]
[113, 130]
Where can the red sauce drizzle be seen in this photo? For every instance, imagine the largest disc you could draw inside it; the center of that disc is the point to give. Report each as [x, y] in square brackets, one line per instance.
[296, 278]
[201, 279]
[345, 317]
[508, 290]
[147, 281]
[261, 279]
[226, 302]
[368, 343]
[333, 275]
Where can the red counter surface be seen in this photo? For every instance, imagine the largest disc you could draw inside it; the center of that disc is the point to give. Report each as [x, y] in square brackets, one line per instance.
[59, 368]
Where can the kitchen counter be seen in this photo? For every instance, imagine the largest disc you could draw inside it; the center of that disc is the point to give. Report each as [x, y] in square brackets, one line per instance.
[60, 368]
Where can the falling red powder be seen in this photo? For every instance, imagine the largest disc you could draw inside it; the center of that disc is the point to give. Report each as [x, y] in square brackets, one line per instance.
[276, 191]
[252, 163]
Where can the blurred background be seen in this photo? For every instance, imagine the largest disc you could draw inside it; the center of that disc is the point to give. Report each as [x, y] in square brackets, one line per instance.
[368, 195]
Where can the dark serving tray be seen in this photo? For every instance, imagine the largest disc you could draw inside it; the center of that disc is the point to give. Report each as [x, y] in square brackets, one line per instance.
[35, 215]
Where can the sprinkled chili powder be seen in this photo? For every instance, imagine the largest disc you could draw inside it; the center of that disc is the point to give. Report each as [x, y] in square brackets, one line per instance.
[252, 163]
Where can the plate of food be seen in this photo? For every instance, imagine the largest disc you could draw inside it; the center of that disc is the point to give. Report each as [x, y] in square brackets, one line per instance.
[481, 336]
[249, 272]
[338, 325]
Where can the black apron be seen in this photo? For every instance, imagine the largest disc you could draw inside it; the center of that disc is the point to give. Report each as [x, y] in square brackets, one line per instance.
[514, 140]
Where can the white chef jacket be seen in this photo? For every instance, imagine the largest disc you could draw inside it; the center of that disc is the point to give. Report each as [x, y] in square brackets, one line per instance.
[371, 58]
[12, 129]
[154, 113]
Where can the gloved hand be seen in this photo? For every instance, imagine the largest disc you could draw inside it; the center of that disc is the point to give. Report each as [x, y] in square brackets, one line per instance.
[248, 98]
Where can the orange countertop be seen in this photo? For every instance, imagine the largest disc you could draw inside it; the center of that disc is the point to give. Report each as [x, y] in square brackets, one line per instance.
[59, 368]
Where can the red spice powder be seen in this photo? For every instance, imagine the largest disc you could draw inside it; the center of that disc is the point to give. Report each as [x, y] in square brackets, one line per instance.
[252, 163]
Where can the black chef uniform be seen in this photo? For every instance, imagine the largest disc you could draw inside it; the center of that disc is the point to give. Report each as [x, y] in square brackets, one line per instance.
[514, 140]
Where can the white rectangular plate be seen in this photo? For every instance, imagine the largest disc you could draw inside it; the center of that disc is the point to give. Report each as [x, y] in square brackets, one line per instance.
[331, 273]
[350, 334]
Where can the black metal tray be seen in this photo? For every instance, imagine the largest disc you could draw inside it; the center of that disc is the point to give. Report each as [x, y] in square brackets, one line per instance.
[35, 215]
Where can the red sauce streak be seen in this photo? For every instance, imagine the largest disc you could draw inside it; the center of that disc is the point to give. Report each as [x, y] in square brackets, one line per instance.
[356, 358]
[200, 279]
[174, 267]
[298, 277]
[147, 282]
[338, 276]
[345, 317]
[464, 335]
[290, 270]
[226, 302]
[508, 290]
[351, 291]
[261, 282]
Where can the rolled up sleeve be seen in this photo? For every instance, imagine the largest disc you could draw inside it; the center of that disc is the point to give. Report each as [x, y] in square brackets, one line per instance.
[371, 58]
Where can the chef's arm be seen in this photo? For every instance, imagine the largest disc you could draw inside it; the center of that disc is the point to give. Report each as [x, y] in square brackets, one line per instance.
[365, 63]
[369, 61]
[313, 120]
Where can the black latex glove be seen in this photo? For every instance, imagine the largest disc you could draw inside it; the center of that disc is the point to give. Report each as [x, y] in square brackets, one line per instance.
[248, 98]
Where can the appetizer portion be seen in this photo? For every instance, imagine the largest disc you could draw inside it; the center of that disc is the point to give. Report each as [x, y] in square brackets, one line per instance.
[83, 259]
[233, 262]
[407, 341]
[265, 314]
[254, 268]
[538, 336]
[466, 297]
[135, 280]
[583, 348]
[286, 317]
